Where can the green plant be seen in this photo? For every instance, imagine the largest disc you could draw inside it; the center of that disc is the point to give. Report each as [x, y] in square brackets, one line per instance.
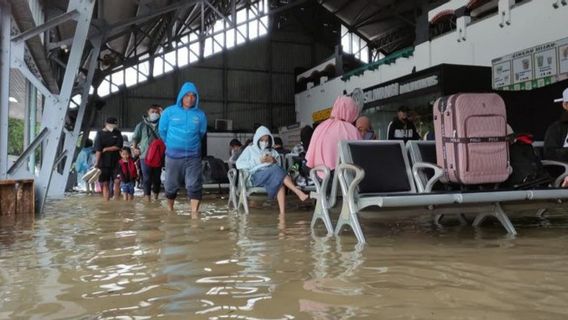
[15, 136]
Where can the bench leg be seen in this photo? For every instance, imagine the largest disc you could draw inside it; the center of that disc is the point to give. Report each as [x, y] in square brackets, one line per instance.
[243, 201]
[321, 212]
[233, 198]
[540, 213]
[438, 219]
[347, 218]
[500, 215]
[462, 219]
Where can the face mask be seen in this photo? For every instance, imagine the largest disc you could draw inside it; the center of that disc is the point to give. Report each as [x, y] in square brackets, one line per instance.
[263, 145]
[154, 117]
[110, 127]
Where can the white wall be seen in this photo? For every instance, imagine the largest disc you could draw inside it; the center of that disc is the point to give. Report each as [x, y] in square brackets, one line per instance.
[532, 23]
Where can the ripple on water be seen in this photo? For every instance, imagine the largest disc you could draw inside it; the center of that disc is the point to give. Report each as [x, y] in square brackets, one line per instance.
[86, 259]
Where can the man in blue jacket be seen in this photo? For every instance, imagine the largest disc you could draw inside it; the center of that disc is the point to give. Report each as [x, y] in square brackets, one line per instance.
[182, 126]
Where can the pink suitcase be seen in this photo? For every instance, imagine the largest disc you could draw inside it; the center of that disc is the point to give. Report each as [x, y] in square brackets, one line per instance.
[471, 138]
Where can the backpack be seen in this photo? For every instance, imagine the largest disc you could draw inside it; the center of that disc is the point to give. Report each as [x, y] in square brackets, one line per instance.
[528, 171]
[156, 152]
[214, 170]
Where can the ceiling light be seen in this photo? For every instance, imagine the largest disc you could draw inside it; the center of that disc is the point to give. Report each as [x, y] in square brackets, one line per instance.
[12, 99]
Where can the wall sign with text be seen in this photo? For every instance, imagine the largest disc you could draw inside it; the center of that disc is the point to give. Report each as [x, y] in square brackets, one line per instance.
[532, 68]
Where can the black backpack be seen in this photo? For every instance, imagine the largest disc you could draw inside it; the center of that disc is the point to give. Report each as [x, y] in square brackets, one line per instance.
[214, 170]
[528, 171]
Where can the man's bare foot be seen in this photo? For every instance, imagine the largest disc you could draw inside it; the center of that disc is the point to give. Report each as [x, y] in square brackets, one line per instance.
[195, 215]
[171, 204]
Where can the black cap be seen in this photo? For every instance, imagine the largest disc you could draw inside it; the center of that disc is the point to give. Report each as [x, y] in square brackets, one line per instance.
[111, 120]
[403, 109]
[235, 142]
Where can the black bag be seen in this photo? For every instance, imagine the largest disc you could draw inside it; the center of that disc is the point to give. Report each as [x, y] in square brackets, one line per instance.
[528, 171]
[214, 170]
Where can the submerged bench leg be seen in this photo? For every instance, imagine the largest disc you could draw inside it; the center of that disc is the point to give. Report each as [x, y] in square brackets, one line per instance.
[321, 212]
[438, 219]
[243, 201]
[350, 219]
[233, 202]
[540, 213]
[500, 215]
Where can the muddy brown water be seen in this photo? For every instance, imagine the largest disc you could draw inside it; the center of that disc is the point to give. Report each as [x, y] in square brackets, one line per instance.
[86, 259]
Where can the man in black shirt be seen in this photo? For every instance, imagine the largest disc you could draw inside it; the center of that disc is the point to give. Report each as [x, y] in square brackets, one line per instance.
[556, 137]
[401, 128]
[108, 144]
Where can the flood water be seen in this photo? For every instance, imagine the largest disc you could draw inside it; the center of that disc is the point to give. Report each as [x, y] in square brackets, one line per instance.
[86, 259]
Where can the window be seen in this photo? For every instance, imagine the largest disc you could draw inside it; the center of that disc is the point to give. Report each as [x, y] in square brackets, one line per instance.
[219, 42]
[253, 29]
[130, 76]
[208, 49]
[158, 66]
[263, 26]
[75, 101]
[353, 44]
[230, 38]
[250, 23]
[182, 56]
[241, 16]
[241, 34]
[104, 88]
[170, 59]
[118, 78]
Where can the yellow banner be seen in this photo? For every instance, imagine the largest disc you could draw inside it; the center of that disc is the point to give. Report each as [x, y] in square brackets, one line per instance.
[321, 115]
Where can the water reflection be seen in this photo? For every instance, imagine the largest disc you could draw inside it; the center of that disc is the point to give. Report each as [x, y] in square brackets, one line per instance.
[89, 260]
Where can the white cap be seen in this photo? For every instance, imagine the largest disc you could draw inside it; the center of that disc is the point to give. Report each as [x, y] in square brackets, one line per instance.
[564, 96]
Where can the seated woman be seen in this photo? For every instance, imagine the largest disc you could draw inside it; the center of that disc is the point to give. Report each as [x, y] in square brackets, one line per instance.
[262, 162]
[339, 127]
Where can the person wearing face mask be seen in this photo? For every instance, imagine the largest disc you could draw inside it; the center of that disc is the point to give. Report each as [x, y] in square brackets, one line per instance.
[182, 127]
[144, 134]
[261, 160]
[108, 144]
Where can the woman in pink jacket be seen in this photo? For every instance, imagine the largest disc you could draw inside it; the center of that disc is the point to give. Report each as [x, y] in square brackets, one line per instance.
[339, 127]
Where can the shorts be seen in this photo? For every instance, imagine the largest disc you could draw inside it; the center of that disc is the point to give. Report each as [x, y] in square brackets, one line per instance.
[127, 187]
[185, 171]
[106, 174]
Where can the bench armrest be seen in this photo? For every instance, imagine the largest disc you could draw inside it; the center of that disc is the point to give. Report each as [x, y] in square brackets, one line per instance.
[349, 190]
[244, 176]
[438, 173]
[232, 175]
[321, 188]
[550, 163]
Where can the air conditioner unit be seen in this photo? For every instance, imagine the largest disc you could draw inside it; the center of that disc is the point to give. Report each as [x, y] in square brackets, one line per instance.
[223, 125]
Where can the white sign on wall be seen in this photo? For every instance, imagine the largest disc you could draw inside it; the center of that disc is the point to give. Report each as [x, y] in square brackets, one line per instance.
[532, 68]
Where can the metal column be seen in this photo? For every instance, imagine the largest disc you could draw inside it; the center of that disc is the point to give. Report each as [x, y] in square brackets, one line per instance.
[30, 121]
[59, 180]
[56, 105]
[4, 85]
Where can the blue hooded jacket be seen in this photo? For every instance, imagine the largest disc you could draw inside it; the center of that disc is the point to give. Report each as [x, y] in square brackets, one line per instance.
[182, 129]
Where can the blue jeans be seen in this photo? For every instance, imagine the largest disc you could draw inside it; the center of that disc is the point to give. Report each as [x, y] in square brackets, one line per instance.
[184, 171]
[150, 178]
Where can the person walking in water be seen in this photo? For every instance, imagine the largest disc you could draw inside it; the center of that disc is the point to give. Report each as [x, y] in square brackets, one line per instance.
[182, 126]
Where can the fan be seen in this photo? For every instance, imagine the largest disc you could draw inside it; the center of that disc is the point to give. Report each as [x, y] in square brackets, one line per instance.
[359, 98]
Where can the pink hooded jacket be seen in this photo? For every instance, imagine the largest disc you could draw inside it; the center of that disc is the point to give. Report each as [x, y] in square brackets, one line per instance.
[339, 127]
